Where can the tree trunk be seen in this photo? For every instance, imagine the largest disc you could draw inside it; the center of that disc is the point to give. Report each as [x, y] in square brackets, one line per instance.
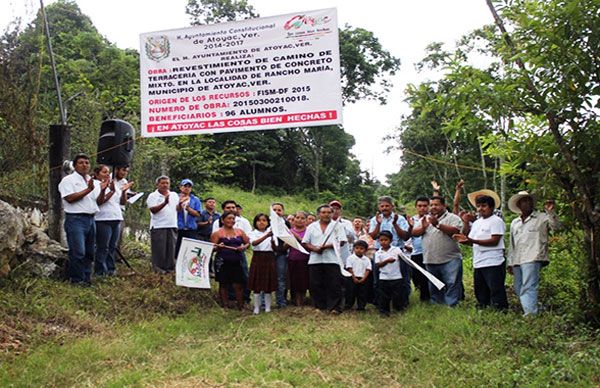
[502, 188]
[592, 246]
[483, 166]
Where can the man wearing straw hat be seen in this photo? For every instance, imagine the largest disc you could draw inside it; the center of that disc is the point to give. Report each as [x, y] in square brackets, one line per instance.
[486, 237]
[472, 197]
[528, 249]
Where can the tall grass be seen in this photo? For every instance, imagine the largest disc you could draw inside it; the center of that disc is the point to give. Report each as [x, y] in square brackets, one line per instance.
[142, 330]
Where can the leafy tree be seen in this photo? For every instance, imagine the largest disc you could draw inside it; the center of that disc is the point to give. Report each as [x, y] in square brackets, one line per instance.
[366, 66]
[539, 96]
[552, 58]
[219, 11]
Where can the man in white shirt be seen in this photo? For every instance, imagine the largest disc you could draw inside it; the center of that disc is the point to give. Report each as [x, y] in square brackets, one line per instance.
[240, 222]
[79, 195]
[162, 204]
[336, 216]
[323, 265]
[485, 235]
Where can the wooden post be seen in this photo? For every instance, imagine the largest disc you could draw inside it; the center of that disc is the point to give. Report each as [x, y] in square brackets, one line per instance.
[59, 140]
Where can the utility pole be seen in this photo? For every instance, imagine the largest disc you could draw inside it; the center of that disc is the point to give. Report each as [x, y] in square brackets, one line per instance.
[59, 141]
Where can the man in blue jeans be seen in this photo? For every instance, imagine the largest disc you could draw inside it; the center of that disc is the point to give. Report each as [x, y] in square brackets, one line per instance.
[528, 249]
[79, 195]
[441, 254]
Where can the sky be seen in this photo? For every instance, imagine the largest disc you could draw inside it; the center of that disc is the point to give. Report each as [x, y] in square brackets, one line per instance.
[403, 27]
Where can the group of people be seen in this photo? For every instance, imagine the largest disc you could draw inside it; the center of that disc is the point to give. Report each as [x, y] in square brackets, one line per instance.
[93, 207]
[341, 263]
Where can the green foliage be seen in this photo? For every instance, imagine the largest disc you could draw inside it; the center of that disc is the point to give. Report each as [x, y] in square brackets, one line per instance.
[562, 289]
[219, 11]
[439, 140]
[366, 66]
[533, 106]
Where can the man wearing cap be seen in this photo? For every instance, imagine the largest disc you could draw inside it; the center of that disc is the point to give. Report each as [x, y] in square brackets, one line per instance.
[528, 249]
[387, 219]
[188, 208]
[79, 196]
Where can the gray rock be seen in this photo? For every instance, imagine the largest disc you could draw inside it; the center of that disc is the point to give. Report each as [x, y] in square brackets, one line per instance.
[24, 245]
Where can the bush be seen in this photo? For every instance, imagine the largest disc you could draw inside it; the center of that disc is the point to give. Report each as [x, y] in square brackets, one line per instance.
[562, 284]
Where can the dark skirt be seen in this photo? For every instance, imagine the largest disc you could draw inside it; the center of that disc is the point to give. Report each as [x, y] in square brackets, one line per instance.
[263, 273]
[230, 272]
[298, 275]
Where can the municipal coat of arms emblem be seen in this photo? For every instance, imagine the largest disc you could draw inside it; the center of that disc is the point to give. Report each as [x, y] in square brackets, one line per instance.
[157, 47]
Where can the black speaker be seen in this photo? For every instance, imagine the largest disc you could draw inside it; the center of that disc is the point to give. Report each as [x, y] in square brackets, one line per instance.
[115, 146]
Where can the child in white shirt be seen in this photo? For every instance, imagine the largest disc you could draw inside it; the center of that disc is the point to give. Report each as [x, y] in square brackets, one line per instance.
[389, 286]
[359, 266]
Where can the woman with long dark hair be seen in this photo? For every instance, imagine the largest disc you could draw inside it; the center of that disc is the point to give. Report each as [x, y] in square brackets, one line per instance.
[230, 243]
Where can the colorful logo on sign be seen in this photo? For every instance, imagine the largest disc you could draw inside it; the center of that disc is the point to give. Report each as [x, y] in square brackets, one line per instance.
[299, 21]
[157, 47]
[196, 264]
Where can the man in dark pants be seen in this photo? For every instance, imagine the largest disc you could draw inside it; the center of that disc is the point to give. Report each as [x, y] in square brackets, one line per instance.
[324, 265]
[420, 281]
[485, 235]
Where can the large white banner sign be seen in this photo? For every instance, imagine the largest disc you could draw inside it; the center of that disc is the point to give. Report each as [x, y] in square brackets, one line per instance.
[267, 73]
[191, 269]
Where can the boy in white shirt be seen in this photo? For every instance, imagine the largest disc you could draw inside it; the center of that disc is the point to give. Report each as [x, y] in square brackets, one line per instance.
[389, 286]
[360, 267]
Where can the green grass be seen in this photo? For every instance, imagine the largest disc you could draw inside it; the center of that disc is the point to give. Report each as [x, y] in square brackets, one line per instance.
[260, 203]
[142, 330]
[252, 203]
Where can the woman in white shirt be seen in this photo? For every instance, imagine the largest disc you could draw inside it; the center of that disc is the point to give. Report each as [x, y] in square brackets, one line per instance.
[108, 221]
[263, 273]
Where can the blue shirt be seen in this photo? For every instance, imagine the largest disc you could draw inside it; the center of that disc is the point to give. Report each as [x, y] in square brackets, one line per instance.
[417, 242]
[387, 224]
[184, 219]
[206, 230]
